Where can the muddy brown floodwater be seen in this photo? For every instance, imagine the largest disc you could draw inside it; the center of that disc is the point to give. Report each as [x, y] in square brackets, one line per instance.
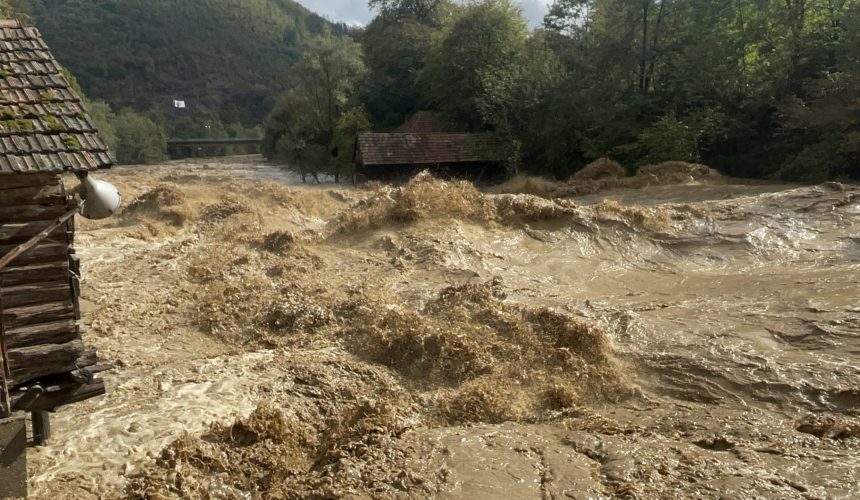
[690, 337]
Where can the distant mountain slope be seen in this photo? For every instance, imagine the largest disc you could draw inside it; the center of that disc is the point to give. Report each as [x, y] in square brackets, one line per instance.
[229, 56]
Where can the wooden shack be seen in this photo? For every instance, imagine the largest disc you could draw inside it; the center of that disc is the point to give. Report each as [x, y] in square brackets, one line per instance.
[425, 142]
[44, 132]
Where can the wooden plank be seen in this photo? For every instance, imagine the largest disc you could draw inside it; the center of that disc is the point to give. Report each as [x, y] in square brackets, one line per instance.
[30, 363]
[28, 213]
[36, 293]
[75, 265]
[45, 252]
[18, 274]
[57, 332]
[70, 394]
[58, 236]
[75, 285]
[51, 194]
[70, 230]
[5, 408]
[17, 181]
[15, 234]
[37, 240]
[48, 312]
[4, 359]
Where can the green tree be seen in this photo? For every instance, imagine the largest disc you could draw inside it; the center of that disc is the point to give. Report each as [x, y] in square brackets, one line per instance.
[512, 97]
[395, 52]
[104, 118]
[724, 82]
[302, 125]
[349, 126]
[422, 11]
[482, 43]
[139, 139]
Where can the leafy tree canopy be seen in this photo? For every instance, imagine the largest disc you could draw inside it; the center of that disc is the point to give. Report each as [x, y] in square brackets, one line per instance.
[302, 129]
[485, 39]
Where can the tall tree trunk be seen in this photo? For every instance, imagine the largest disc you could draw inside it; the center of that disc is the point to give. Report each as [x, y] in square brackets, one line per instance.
[796, 21]
[649, 79]
[643, 60]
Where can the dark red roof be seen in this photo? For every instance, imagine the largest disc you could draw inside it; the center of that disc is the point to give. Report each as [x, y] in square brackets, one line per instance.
[43, 126]
[426, 149]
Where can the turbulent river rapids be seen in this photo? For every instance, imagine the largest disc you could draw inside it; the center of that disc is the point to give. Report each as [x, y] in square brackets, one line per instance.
[677, 336]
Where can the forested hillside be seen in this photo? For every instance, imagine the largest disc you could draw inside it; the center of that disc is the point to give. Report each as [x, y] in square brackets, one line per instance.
[230, 57]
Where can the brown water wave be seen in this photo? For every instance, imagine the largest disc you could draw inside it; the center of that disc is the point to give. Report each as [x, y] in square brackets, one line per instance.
[686, 340]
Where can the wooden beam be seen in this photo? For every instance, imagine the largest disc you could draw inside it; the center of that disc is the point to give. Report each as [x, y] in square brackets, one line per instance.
[58, 331]
[46, 312]
[36, 293]
[19, 274]
[59, 236]
[50, 194]
[5, 404]
[37, 254]
[21, 232]
[41, 421]
[28, 180]
[31, 363]
[28, 213]
[66, 395]
[35, 240]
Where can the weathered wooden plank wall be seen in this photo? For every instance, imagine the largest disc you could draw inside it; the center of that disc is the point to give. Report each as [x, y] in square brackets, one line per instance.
[39, 309]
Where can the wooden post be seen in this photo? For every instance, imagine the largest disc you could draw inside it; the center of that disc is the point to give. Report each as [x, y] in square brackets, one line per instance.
[5, 374]
[13, 457]
[41, 427]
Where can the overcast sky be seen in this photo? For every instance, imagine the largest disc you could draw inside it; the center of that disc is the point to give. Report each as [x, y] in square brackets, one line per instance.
[356, 12]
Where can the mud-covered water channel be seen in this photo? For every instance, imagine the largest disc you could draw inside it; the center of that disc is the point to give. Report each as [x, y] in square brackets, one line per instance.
[686, 340]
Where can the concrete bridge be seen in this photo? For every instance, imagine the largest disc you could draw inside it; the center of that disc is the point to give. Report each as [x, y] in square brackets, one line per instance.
[196, 144]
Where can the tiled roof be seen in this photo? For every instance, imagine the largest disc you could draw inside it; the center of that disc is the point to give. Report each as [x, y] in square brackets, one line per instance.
[422, 122]
[43, 127]
[426, 149]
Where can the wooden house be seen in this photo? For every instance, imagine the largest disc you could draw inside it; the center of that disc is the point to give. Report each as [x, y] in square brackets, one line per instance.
[44, 132]
[424, 142]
